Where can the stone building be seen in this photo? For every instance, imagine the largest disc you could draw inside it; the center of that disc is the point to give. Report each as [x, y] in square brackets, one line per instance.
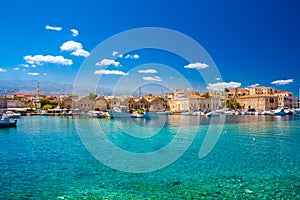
[101, 104]
[262, 90]
[84, 104]
[195, 102]
[260, 102]
[285, 99]
[67, 103]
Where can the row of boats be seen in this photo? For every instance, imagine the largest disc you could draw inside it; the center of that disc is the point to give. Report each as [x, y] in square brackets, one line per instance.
[281, 112]
[9, 119]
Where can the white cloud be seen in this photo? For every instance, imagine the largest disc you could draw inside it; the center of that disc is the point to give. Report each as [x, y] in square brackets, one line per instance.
[253, 85]
[283, 82]
[80, 52]
[75, 47]
[120, 56]
[40, 60]
[2, 70]
[115, 53]
[196, 65]
[16, 68]
[136, 56]
[71, 46]
[221, 86]
[107, 62]
[150, 78]
[24, 65]
[147, 71]
[33, 74]
[54, 28]
[114, 72]
[218, 79]
[74, 32]
[33, 66]
[45, 74]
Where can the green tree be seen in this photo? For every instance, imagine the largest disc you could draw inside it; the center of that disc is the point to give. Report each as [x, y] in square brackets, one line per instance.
[44, 101]
[92, 96]
[232, 104]
[205, 94]
[46, 107]
[226, 90]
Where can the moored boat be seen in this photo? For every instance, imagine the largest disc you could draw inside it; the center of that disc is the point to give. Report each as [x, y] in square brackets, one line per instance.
[12, 114]
[7, 122]
[96, 114]
[213, 114]
[288, 112]
[279, 112]
[119, 112]
[297, 111]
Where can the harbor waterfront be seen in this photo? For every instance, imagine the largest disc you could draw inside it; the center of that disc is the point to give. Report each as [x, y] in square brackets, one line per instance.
[256, 157]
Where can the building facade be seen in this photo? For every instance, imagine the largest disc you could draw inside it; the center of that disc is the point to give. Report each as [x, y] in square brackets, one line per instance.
[261, 90]
[285, 99]
[180, 93]
[261, 102]
[296, 102]
[101, 104]
[3, 102]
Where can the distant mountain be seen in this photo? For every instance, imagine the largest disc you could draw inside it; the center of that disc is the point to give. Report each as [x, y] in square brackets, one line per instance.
[13, 86]
[29, 86]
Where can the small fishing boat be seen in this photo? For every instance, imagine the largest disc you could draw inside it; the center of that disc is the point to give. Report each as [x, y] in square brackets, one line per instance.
[7, 122]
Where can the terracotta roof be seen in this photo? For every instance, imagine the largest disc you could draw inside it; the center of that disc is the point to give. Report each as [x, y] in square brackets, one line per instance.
[283, 92]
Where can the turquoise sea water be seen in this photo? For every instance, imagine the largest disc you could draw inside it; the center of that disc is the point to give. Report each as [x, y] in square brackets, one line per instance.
[256, 157]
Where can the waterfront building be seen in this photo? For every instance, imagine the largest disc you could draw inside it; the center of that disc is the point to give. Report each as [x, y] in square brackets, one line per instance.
[285, 99]
[123, 101]
[101, 104]
[84, 104]
[11, 103]
[67, 102]
[261, 90]
[184, 93]
[194, 102]
[296, 102]
[237, 92]
[3, 102]
[156, 104]
[260, 102]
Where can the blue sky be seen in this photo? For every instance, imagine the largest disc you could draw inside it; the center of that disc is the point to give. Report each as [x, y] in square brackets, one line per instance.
[251, 42]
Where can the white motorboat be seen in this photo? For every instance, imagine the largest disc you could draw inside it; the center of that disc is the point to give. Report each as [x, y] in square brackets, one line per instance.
[267, 113]
[96, 114]
[119, 112]
[279, 112]
[288, 112]
[212, 114]
[12, 114]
